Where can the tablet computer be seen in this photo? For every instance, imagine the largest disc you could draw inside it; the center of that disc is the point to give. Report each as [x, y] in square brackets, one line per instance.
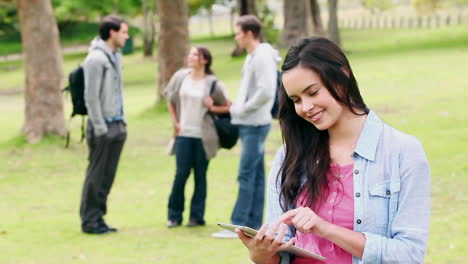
[292, 249]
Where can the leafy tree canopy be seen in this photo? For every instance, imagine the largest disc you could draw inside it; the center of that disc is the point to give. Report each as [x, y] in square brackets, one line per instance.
[85, 10]
[196, 6]
[377, 5]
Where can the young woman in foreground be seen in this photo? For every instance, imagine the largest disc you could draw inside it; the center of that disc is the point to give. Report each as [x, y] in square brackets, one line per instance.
[348, 186]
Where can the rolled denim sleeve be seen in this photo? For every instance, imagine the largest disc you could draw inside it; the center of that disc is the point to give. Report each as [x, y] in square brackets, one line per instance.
[409, 229]
[274, 210]
[285, 257]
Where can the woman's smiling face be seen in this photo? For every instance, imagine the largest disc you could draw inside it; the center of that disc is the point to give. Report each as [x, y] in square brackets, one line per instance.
[195, 59]
[312, 100]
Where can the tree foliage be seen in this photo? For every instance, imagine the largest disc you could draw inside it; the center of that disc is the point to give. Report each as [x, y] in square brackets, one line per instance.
[426, 6]
[69, 11]
[195, 6]
[79, 10]
[9, 22]
[377, 5]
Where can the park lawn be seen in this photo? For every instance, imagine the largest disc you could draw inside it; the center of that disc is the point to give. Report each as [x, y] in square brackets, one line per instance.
[417, 88]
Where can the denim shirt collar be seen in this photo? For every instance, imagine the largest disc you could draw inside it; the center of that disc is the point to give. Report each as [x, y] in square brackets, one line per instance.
[369, 138]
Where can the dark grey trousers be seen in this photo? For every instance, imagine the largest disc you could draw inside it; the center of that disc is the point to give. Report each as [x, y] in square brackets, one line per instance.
[104, 155]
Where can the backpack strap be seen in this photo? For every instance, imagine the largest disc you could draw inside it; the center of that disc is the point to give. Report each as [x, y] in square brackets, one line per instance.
[83, 131]
[213, 86]
[107, 56]
[82, 128]
[67, 138]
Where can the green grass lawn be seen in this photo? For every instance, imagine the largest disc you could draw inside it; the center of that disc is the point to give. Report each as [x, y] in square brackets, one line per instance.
[414, 79]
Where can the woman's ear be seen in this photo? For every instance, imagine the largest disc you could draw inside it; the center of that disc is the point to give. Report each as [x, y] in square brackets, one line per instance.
[345, 71]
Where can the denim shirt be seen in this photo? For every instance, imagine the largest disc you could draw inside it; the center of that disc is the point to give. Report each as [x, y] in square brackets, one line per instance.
[392, 195]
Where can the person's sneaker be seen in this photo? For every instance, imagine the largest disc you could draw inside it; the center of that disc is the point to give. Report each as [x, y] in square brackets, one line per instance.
[99, 229]
[194, 223]
[172, 223]
[225, 234]
[104, 225]
[109, 228]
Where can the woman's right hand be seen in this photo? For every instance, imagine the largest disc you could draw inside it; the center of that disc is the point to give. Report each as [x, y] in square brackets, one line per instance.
[176, 129]
[263, 248]
[209, 102]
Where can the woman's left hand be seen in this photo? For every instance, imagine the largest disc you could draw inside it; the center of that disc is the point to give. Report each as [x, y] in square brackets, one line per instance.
[263, 248]
[209, 102]
[305, 220]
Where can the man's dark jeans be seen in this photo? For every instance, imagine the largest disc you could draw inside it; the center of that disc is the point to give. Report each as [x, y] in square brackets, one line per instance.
[248, 210]
[189, 154]
[104, 155]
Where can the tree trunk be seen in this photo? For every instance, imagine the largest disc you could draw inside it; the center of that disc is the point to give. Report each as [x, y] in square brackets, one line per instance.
[43, 59]
[333, 30]
[246, 7]
[149, 28]
[173, 40]
[297, 21]
[231, 19]
[316, 18]
[210, 18]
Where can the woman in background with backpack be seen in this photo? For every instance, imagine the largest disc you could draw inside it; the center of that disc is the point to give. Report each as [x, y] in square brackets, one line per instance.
[193, 93]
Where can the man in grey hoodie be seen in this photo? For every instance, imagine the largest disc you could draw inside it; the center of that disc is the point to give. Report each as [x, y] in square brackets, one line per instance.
[252, 113]
[106, 131]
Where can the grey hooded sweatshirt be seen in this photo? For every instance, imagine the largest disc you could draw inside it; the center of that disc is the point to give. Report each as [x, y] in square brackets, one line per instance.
[257, 90]
[103, 86]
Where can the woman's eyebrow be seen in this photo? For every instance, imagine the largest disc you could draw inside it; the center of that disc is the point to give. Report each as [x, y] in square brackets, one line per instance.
[308, 87]
[304, 90]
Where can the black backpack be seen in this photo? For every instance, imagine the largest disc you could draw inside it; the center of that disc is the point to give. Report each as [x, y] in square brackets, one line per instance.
[275, 108]
[76, 89]
[227, 132]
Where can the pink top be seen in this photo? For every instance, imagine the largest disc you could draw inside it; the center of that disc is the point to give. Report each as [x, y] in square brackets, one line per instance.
[338, 209]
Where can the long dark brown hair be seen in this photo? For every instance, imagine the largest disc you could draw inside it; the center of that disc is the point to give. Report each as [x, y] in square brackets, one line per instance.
[206, 54]
[307, 150]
